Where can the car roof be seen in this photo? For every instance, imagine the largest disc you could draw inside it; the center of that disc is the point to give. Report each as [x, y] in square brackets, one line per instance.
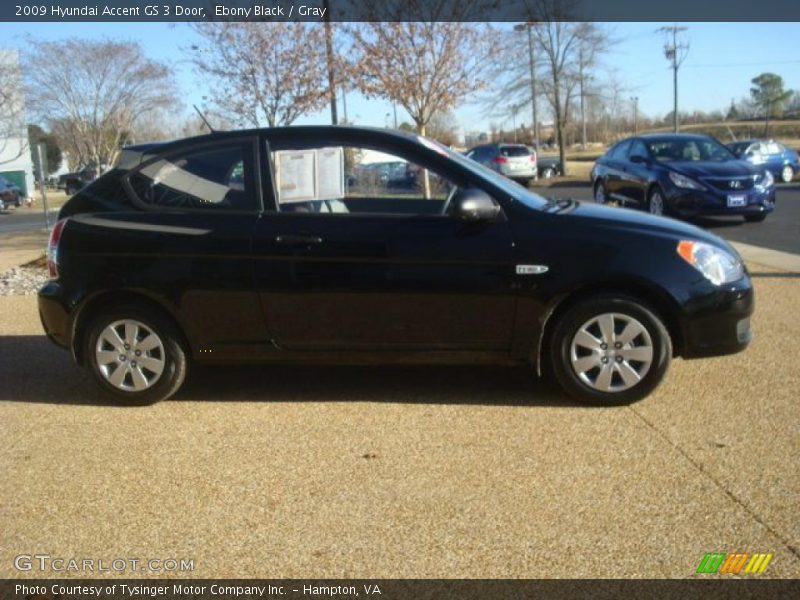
[300, 130]
[676, 136]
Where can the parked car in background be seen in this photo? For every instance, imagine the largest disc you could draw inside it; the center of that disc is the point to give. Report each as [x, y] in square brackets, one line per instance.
[549, 167]
[10, 193]
[683, 175]
[72, 182]
[215, 249]
[515, 161]
[782, 162]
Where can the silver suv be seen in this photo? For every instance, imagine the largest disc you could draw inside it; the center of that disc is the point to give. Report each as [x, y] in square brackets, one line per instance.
[515, 161]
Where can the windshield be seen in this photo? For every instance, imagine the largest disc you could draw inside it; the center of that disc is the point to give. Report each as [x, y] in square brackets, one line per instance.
[512, 188]
[676, 149]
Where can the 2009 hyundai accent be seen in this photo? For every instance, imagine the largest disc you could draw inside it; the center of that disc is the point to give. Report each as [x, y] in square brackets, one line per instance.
[283, 245]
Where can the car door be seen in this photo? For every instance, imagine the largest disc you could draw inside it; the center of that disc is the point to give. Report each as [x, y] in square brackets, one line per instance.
[616, 165]
[637, 172]
[190, 241]
[379, 269]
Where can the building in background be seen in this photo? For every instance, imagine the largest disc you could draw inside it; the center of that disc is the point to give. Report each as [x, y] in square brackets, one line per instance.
[15, 157]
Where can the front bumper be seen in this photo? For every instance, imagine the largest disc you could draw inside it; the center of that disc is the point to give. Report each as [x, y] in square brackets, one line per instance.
[692, 203]
[718, 323]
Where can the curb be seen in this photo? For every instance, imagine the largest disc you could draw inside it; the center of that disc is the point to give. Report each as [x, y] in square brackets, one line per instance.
[785, 261]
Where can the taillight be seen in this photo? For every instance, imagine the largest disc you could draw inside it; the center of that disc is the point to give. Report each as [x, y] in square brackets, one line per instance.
[533, 157]
[500, 159]
[52, 248]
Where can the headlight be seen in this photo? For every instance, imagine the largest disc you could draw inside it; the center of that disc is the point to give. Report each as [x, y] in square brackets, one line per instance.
[765, 181]
[684, 182]
[718, 266]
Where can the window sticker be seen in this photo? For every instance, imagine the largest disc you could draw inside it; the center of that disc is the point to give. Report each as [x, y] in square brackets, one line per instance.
[295, 175]
[308, 175]
[330, 173]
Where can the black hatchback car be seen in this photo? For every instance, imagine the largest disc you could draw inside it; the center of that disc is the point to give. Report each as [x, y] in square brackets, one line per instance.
[683, 175]
[259, 246]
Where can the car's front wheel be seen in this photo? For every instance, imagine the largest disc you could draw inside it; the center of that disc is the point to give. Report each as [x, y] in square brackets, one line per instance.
[600, 192]
[787, 174]
[610, 350]
[655, 202]
[135, 355]
[548, 173]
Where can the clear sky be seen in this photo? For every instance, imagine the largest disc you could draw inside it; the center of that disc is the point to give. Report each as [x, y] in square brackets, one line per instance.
[722, 59]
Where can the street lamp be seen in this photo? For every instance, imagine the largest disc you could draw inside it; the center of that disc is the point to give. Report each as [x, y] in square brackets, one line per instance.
[529, 25]
[635, 100]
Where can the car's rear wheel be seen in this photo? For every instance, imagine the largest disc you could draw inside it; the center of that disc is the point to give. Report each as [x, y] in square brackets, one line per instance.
[610, 350]
[136, 356]
[755, 218]
[600, 192]
[787, 174]
[548, 173]
[655, 202]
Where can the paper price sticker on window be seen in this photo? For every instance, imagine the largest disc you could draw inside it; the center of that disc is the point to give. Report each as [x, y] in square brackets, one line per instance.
[308, 175]
[295, 171]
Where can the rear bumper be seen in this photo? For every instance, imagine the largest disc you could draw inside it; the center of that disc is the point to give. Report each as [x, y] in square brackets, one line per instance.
[719, 323]
[704, 203]
[527, 173]
[54, 314]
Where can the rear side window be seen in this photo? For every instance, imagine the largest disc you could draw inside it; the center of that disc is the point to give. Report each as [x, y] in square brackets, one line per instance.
[620, 150]
[637, 148]
[513, 151]
[217, 178]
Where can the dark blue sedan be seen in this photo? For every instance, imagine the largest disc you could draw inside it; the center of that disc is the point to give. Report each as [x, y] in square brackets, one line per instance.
[781, 161]
[682, 175]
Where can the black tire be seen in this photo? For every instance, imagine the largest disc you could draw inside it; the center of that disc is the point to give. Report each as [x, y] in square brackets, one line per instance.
[174, 355]
[755, 218]
[576, 317]
[548, 173]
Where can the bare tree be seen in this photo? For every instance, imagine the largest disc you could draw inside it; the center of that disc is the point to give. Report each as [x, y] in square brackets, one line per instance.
[13, 137]
[425, 67]
[264, 72]
[95, 94]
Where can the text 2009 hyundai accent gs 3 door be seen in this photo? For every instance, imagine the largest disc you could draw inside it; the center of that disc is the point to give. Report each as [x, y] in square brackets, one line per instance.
[352, 245]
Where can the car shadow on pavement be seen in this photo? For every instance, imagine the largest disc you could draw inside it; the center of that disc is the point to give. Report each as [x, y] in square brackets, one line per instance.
[34, 370]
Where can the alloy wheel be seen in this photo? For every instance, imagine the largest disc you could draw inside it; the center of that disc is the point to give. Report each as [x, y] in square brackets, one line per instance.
[787, 174]
[130, 355]
[656, 203]
[611, 352]
[600, 193]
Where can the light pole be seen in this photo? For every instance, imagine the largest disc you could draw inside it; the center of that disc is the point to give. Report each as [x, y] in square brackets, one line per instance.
[635, 100]
[529, 25]
[675, 53]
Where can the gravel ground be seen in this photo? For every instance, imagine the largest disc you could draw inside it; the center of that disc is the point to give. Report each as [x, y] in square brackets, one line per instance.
[22, 281]
[406, 472]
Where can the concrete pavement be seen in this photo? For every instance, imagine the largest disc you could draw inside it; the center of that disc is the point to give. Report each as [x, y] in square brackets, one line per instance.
[407, 472]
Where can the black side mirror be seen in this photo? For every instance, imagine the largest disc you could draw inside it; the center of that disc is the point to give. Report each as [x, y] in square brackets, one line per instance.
[473, 204]
[638, 159]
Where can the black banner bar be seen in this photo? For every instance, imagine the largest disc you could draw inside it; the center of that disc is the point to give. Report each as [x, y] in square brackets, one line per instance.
[701, 588]
[400, 10]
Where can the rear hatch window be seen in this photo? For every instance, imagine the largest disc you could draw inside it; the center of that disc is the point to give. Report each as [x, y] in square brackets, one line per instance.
[514, 151]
